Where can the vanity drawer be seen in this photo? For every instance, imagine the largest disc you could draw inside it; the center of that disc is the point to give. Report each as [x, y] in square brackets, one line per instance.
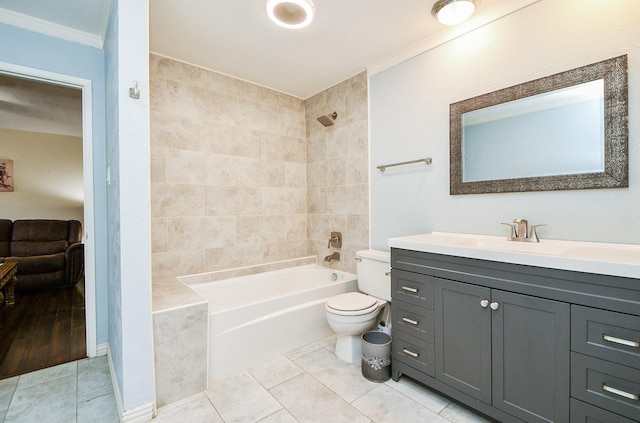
[586, 413]
[412, 319]
[414, 352]
[412, 288]
[607, 385]
[605, 334]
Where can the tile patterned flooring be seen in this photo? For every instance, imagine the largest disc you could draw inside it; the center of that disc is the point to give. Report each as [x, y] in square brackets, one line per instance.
[312, 385]
[306, 385]
[79, 391]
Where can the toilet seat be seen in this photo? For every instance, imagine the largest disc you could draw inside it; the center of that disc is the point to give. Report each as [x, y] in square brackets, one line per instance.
[352, 304]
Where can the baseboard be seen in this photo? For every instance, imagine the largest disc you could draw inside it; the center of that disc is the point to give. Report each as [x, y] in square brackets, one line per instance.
[101, 349]
[141, 414]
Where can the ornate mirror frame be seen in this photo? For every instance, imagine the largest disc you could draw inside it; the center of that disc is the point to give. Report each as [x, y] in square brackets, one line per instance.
[616, 132]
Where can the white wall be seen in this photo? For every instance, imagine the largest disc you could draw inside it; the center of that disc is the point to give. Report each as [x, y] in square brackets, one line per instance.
[129, 214]
[409, 106]
[48, 176]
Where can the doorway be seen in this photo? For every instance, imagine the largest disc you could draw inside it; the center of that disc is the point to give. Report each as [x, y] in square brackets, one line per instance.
[82, 298]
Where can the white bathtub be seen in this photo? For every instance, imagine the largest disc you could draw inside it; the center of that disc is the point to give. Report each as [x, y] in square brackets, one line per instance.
[258, 317]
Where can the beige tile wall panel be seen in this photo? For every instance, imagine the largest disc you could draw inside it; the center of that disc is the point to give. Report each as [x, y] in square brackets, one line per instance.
[243, 175]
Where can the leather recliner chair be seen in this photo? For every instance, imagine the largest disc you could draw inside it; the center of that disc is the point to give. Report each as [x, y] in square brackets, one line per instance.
[49, 253]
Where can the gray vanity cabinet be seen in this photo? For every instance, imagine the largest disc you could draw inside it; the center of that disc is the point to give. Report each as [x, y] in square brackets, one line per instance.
[508, 350]
[463, 338]
[518, 343]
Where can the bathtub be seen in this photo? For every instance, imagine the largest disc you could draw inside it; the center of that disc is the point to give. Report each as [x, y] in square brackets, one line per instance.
[259, 317]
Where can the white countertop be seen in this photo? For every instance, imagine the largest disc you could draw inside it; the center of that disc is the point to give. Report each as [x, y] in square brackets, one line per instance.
[590, 257]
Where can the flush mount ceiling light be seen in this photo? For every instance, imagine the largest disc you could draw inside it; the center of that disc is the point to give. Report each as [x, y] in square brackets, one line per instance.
[453, 12]
[291, 14]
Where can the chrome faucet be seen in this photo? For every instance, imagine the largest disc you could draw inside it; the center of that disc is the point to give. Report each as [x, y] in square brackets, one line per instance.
[335, 256]
[519, 231]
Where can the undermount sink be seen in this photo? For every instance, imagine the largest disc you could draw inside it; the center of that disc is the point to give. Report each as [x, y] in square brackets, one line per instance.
[591, 257]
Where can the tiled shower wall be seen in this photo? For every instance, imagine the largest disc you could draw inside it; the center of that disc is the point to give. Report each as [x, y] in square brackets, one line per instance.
[337, 170]
[240, 175]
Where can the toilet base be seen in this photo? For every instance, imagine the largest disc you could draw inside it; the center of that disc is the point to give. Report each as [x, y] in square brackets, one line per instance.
[349, 348]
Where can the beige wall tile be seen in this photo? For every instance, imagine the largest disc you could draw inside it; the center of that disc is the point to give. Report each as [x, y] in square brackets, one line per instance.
[185, 167]
[231, 140]
[242, 175]
[192, 233]
[357, 107]
[236, 256]
[297, 227]
[321, 226]
[338, 169]
[258, 172]
[287, 149]
[356, 171]
[176, 199]
[158, 164]
[261, 229]
[282, 250]
[180, 352]
[221, 170]
[158, 234]
[173, 69]
[284, 200]
[317, 148]
[348, 199]
[184, 262]
[358, 229]
[317, 200]
[295, 175]
[227, 201]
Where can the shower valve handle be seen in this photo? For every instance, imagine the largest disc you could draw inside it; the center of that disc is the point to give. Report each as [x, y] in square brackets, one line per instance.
[335, 240]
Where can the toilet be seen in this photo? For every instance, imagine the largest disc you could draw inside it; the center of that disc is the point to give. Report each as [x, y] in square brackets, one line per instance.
[353, 313]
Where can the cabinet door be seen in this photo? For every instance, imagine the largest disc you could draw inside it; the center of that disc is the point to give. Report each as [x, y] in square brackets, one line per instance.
[463, 338]
[531, 356]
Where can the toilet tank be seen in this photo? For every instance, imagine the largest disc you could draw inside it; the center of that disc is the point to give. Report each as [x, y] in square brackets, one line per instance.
[374, 277]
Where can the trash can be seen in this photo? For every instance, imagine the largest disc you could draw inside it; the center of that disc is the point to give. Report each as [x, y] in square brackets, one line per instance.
[376, 356]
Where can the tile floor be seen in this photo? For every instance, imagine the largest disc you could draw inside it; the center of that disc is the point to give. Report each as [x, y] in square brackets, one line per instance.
[312, 385]
[306, 385]
[79, 391]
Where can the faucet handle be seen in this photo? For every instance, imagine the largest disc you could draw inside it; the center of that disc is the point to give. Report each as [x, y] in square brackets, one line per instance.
[512, 230]
[335, 240]
[533, 233]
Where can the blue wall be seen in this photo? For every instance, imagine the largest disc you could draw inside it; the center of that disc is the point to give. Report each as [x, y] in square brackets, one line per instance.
[409, 119]
[33, 50]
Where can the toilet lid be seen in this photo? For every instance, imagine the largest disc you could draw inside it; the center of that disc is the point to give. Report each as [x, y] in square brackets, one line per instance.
[353, 301]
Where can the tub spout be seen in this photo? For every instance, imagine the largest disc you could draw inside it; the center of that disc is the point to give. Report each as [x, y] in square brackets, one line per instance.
[335, 256]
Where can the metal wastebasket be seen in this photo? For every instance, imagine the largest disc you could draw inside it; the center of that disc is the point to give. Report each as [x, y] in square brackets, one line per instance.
[376, 356]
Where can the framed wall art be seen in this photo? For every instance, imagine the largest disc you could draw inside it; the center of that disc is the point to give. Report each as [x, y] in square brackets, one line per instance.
[6, 175]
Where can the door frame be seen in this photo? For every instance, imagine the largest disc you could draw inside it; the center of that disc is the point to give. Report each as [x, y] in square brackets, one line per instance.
[87, 170]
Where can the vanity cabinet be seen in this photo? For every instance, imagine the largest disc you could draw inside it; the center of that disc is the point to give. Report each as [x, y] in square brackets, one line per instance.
[517, 343]
[508, 350]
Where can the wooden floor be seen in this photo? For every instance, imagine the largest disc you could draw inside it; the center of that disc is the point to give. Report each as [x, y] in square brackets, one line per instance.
[42, 329]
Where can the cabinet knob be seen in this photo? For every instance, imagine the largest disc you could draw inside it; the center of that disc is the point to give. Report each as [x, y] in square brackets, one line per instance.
[494, 305]
[484, 303]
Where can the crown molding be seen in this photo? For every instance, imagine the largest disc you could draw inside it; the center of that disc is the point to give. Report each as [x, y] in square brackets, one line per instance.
[449, 34]
[41, 26]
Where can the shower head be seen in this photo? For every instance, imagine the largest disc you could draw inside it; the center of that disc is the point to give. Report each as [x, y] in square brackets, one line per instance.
[327, 120]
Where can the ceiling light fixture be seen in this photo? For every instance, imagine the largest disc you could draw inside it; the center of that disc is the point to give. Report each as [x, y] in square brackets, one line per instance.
[291, 14]
[453, 12]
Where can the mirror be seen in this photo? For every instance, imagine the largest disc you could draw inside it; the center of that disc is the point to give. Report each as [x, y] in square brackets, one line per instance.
[564, 131]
